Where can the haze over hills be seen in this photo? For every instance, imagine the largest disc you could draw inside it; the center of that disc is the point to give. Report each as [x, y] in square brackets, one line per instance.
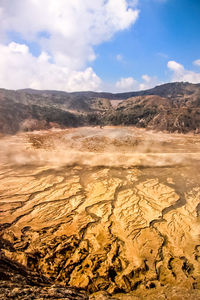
[173, 107]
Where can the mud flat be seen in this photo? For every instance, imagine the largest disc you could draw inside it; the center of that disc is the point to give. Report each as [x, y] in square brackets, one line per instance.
[111, 213]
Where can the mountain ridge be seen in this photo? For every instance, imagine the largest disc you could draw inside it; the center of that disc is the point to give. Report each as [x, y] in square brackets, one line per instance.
[172, 107]
[119, 95]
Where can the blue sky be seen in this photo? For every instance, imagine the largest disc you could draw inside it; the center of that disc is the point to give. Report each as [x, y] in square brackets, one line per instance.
[113, 45]
[165, 30]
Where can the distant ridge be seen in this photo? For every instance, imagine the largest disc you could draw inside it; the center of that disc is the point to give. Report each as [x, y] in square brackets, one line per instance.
[173, 107]
[159, 90]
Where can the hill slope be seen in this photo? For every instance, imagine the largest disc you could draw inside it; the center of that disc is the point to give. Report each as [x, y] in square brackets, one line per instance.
[172, 107]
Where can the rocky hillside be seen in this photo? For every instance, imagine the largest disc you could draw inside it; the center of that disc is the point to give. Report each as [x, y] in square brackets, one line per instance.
[171, 107]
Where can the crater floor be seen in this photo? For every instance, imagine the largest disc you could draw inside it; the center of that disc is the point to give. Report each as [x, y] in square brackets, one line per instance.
[111, 211]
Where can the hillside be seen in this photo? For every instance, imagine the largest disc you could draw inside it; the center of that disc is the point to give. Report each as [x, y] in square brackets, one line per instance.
[174, 107]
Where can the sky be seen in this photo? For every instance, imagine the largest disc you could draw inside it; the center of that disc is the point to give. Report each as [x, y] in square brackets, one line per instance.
[98, 45]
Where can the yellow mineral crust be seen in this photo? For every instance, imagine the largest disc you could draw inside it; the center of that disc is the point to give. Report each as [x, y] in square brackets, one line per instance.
[103, 226]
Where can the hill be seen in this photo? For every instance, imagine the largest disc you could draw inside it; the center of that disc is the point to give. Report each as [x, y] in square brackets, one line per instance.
[174, 107]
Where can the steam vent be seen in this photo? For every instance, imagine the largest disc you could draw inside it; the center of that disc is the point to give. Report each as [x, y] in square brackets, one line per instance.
[100, 213]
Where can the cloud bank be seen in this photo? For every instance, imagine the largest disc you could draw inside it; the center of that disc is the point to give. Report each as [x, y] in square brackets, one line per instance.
[51, 44]
[197, 62]
[65, 32]
[129, 83]
[181, 74]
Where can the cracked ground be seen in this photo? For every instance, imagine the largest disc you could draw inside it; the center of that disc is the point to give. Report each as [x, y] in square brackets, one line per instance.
[114, 211]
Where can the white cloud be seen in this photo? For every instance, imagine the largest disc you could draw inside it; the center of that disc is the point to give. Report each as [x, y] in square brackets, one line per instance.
[176, 67]
[197, 62]
[130, 84]
[148, 82]
[146, 78]
[126, 84]
[20, 69]
[67, 30]
[119, 57]
[18, 48]
[180, 74]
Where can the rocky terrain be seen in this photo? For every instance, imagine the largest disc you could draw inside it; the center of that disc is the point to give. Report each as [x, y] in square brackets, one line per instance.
[172, 107]
[93, 213]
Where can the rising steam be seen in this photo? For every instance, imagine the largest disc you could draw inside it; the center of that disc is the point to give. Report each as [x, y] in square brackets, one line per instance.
[109, 146]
